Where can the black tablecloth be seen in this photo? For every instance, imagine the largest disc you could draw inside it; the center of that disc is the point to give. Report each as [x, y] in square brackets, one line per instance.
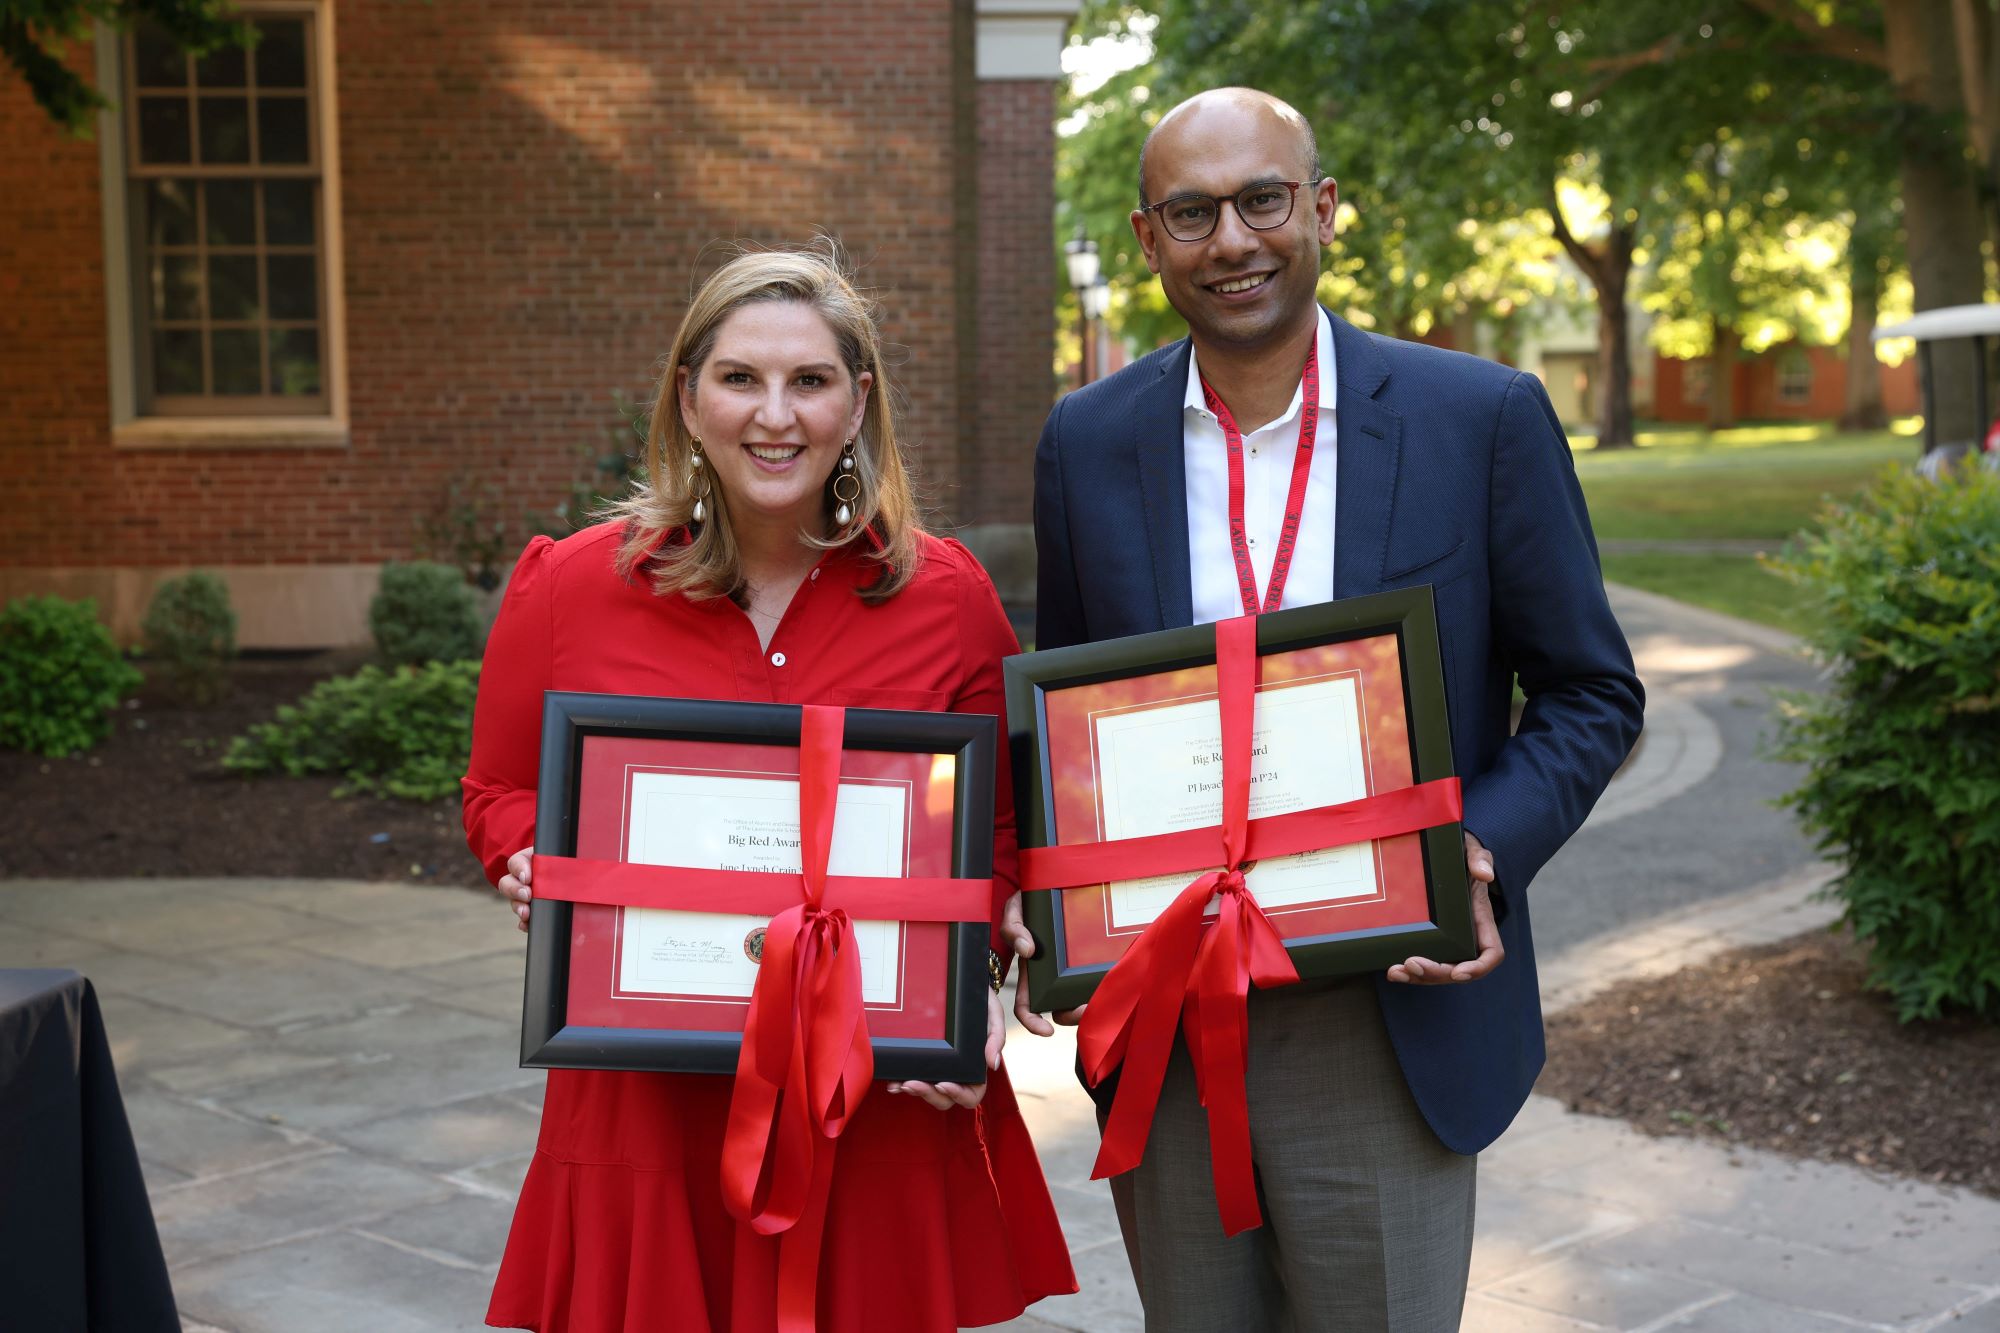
[78, 1248]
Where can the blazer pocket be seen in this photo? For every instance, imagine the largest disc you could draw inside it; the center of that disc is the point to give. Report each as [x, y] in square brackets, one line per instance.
[916, 701]
[1428, 565]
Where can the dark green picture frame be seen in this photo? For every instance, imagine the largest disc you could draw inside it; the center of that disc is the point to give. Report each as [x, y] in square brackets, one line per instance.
[1407, 613]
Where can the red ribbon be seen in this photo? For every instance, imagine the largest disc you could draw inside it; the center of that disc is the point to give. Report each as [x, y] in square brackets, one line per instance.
[1178, 970]
[1295, 496]
[806, 1060]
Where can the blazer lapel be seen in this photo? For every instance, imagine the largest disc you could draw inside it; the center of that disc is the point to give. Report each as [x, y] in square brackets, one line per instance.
[1158, 432]
[1370, 448]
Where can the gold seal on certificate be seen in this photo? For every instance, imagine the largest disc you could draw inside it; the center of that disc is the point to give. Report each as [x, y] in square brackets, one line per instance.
[714, 821]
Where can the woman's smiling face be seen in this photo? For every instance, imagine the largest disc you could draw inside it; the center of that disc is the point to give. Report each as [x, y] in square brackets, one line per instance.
[772, 407]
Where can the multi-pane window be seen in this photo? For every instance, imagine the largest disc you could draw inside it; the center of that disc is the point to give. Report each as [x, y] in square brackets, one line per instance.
[1795, 376]
[228, 227]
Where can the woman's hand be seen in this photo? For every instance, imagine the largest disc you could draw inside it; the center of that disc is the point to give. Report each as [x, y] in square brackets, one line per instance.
[513, 885]
[944, 1096]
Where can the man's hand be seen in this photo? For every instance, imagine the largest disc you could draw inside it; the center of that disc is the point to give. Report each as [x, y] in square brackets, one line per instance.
[1015, 931]
[513, 885]
[1424, 972]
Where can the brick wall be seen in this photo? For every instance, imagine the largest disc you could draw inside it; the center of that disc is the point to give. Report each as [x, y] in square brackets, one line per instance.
[1017, 276]
[531, 190]
[1756, 388]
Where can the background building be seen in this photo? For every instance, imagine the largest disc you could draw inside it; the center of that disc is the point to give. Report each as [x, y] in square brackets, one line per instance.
[288, 305]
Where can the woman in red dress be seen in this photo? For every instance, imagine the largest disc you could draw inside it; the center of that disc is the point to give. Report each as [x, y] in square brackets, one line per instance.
[750, 567]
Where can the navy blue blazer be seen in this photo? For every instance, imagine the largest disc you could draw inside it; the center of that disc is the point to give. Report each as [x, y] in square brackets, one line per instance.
[1451, 471]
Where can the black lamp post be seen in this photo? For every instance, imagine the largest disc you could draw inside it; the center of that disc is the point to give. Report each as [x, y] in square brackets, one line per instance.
[1080, 257]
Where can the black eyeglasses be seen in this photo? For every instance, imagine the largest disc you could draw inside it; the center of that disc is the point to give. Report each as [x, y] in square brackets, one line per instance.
[1264, 206]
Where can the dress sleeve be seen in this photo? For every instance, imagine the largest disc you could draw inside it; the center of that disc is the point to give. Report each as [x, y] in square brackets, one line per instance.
[499, 785]
[984, 638]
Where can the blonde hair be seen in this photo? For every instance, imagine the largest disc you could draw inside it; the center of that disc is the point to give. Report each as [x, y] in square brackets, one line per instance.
[885, 524]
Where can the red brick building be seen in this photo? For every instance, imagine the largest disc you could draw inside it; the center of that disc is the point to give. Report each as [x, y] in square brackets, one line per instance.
[284, 301]
[1789, 382]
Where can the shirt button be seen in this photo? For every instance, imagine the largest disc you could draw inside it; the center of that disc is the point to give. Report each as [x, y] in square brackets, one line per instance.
[814, 576]
[777, 659]
[1253, 541]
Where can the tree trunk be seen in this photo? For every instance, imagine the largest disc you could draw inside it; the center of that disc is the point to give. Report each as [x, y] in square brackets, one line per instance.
[1863, 408]
[1976, 38]
[1608, 265]
[1723, 342]
[1614, 343]
[1941, 210]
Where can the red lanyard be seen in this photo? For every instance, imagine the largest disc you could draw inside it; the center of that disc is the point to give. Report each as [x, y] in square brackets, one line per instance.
[1295, 500]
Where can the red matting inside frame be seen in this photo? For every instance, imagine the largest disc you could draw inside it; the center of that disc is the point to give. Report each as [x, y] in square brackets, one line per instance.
[603, 808]
[1376, 662]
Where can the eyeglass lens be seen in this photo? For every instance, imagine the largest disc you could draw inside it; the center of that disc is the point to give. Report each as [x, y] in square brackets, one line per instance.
[1191, 217]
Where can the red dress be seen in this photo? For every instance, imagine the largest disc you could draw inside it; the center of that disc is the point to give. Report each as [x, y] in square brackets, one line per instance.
[937, 1219]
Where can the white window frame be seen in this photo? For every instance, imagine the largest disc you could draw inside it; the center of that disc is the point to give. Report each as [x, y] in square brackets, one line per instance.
[129, 428]
[1795, 376]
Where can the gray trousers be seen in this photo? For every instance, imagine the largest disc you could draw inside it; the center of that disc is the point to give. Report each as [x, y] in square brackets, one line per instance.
[1367, 1217]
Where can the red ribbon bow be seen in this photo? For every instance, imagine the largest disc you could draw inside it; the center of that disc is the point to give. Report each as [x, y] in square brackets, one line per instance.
[1174, 967]
[1178, 968]
[806, 1060]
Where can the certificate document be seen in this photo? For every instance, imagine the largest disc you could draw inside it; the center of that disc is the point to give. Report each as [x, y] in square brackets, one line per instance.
[719, 822]
[1160, 771]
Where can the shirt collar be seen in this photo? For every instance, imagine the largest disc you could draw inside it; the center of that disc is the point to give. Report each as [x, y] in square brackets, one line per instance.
[1329, 381]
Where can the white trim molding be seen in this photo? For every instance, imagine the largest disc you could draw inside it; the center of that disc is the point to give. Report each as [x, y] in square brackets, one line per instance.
[1023, 39]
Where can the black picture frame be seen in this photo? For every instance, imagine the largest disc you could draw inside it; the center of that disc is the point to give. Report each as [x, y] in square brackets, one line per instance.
[1408, 613]
[550, 1041]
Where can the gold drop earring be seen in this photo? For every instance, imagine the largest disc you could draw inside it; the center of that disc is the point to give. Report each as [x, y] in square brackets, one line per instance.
[698, 484]
[846, 487]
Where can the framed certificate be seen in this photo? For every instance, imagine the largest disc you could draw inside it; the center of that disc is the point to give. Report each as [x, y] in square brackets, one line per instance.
[1122, 739]
[714, 785]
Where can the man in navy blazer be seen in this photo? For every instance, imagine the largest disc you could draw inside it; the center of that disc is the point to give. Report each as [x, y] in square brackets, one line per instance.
[1440, 469]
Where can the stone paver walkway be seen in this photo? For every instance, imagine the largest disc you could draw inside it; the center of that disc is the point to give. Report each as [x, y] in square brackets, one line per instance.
[322, 1080]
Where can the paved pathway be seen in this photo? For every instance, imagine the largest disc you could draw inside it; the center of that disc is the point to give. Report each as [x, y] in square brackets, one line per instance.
[321, 1079]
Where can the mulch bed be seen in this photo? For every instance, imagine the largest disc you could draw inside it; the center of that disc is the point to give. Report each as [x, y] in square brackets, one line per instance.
[153, 801]
[1779, 1047]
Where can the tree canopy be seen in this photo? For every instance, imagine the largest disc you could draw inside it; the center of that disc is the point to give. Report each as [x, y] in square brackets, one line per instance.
[1714, 143]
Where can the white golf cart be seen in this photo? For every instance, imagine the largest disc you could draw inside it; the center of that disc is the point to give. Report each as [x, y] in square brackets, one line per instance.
[1976, 323]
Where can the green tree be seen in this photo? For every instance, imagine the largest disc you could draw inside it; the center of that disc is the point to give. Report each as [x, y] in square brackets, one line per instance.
[34, 34]
[1433, 113]
[1940, 63]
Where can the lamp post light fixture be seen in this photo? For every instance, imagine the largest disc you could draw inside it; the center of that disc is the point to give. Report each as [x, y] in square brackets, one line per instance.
[1096, 300]
[1080, 257]
[1080, 254]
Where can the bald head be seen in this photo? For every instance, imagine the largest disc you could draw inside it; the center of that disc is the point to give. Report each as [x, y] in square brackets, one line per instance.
[1228, 112]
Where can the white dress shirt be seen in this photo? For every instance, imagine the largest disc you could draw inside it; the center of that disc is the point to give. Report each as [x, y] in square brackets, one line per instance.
[1267, 479]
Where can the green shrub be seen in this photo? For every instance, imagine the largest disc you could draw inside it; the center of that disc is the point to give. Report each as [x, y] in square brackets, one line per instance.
[424, 612]
[190, 633]
[60, 675]
[405, 733]
[1902, 751]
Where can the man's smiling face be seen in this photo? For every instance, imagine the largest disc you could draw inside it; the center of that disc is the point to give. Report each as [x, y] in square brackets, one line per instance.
[1238, 285]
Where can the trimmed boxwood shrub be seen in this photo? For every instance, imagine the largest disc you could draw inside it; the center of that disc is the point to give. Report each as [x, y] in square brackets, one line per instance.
[1902, 751]
[424, 612]
[405, 733]
[190, 635]
[60, 676]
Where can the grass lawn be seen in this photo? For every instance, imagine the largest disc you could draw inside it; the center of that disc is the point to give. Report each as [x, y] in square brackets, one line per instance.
[1735, 584]
[1757, 483]
[1752, 482]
